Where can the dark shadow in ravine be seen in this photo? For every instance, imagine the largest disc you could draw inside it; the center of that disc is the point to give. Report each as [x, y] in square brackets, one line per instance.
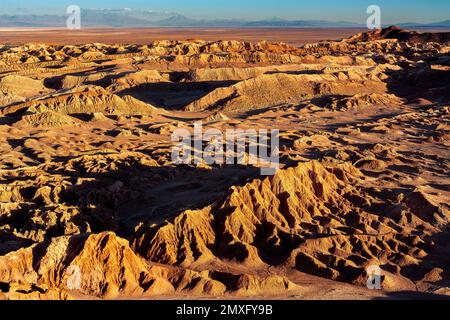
[117, 197]
[171, 95]
[438, 258]
[56, 82]
[421, 81]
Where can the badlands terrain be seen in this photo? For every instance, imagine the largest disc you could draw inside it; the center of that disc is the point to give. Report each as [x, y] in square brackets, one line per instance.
[92, 206]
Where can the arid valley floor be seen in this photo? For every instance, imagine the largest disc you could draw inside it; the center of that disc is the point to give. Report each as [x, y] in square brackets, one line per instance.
[92, 206]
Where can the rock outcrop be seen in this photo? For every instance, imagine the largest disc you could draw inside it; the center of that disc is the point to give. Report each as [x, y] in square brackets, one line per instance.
[277, 89]
[93, 203]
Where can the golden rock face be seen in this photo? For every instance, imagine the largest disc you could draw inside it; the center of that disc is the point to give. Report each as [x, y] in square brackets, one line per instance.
[92, 205]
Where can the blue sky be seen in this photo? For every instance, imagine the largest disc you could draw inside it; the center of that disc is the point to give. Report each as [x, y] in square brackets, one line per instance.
[394, 11]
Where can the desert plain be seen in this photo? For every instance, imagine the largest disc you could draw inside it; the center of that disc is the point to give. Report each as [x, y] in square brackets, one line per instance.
[92, 205]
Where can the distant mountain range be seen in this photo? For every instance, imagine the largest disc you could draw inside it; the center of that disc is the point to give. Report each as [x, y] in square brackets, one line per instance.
[442, 24]
[141, 18]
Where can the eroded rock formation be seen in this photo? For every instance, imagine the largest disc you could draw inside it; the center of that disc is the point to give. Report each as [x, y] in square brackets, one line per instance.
[93, 206]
